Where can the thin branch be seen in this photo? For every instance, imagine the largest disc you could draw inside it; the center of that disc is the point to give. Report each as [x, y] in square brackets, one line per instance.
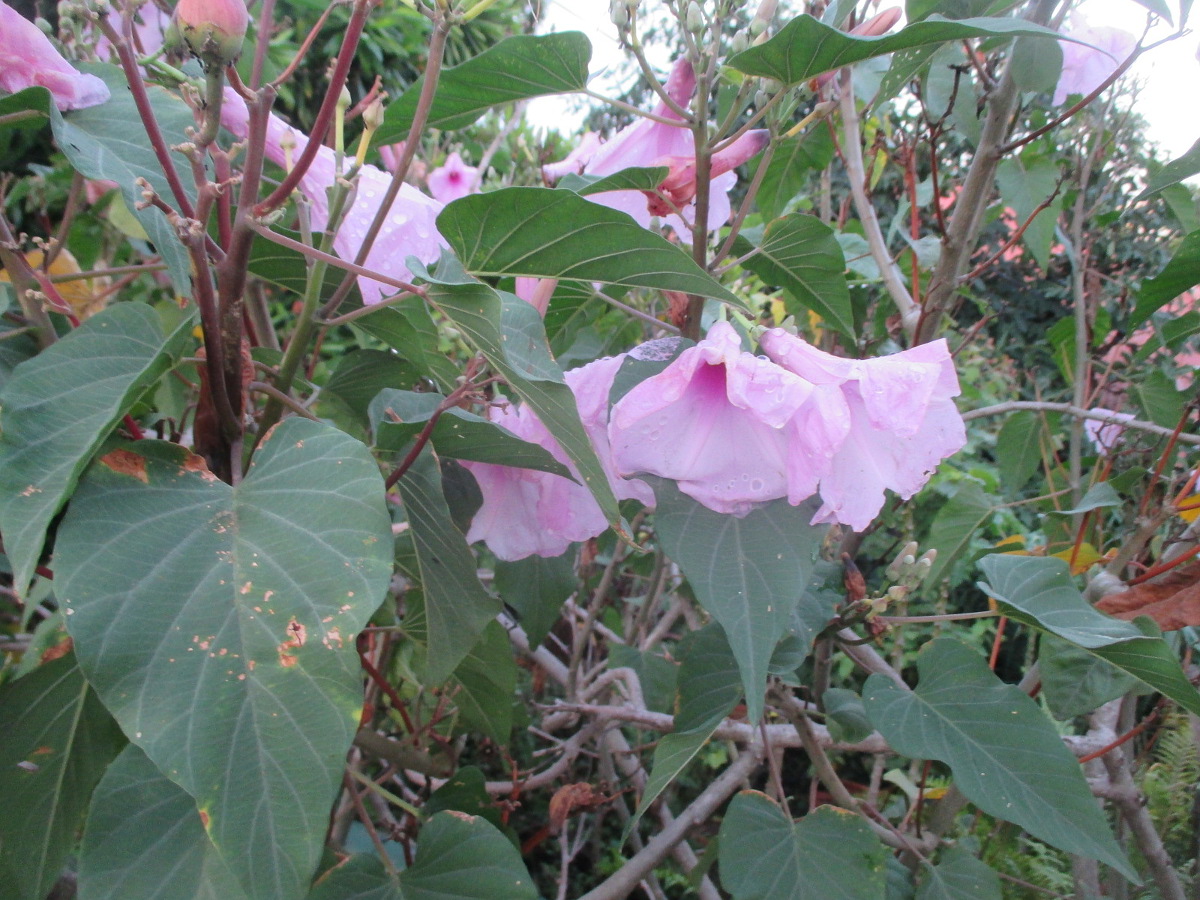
[910, 312]
[1070, 409]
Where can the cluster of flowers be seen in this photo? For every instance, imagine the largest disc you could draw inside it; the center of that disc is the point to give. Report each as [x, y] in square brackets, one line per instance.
[734, 431]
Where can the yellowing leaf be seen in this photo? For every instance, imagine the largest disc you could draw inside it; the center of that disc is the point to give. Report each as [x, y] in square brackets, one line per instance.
[86, 295]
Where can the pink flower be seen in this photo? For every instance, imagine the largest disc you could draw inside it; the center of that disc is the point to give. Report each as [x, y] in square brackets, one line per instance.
[28, 59]
[1086, 68]
[531, 513]
[649, 143]
[1106, 435]
[537, 292]
[714, 422]
[576, 160]
[895, 415]
[410, 228]
[453, 180]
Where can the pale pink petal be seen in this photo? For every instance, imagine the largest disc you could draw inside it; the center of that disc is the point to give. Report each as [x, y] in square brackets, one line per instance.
[1105, 435]
[575, 161]
[711, 421]
[453, 180]
[874, 425]
[591, 385]
[29, 59]
[1086, 68]
[536, 292]
[526, 512]
[391, 154]
[409, 230]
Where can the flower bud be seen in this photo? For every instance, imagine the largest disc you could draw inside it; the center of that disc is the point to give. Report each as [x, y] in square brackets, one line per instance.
[373, 115]
[740, 42]
[211, 30]
[695, 18]
[619, 13]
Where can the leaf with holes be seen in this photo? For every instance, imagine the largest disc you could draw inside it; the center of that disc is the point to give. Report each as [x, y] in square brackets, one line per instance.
[217, 624]
[57, 740]
[1005, 754]
[57, 409]
[144, 840]
[830, 854]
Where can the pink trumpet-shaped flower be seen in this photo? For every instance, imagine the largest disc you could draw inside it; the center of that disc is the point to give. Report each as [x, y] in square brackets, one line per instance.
[649, 143]
[895, 414]
[1086, 68]
[531, 513]
[714, 422]
[409, 230]
[28, 59]
[453, 180]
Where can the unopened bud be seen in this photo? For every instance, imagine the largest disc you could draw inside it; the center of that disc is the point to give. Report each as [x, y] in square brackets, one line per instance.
[740, 42]
[619, 13]
[878, 25]
[344, 99]
[695, 18]
[904, 559]
[373, 115]
[757, 27]
[211, 30]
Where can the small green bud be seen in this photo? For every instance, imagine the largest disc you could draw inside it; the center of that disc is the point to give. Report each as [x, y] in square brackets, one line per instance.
[695, 18]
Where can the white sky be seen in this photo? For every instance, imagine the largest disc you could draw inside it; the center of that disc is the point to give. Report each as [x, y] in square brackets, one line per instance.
[1170, 100]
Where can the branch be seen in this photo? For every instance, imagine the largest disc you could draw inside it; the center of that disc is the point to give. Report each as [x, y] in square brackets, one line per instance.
[625, 880]
[910, 313]
[1079, 412]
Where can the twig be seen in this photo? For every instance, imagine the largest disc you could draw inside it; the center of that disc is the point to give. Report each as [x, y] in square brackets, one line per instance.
[621, 883]
[855, 171]
[1079, 412]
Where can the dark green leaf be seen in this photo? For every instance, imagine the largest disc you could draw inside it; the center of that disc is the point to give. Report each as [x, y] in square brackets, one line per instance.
[1025, 185]
[956, 523]
[57, 409]
[1181, 274]
[58, 738]
[1099, 496]
[846, 715]
[558, 234]
[789, 169]
[465, 792]
[805, 47]
[1163, 403]
[632, 179]
[750, 573]
[456, 605]
[536, 587]
[1036, 64]
[655, 672]
[459, 857]
[200, 609]
[360, 375]
[958, 876]
[145, 840]
[1174, 172]
[409, 329]
[1039, 592]
[517, 68]
[288, 268]
[1019, 448]
[830, 854]
[109, 142]
[508, 332]
[488, 678]
[800, 254]
[1074, 682]
[399, 416]
[1005, 754]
